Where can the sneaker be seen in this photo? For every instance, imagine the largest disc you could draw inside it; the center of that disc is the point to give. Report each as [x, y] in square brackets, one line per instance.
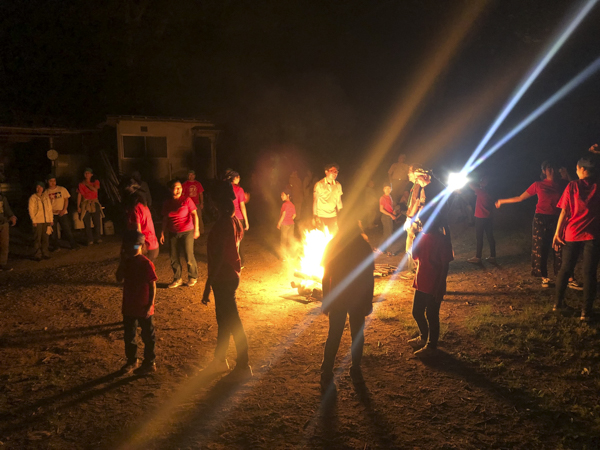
[6, 269]
[175, 283]
[574, 284]
[145, 368]
[356, 375]
[491, 259]
[191, 282]
[216, 366]
[562, 307]
[98, 241]
[426, 352]
[90, 243]
[474, 260]
[129, 367]
[417, 343]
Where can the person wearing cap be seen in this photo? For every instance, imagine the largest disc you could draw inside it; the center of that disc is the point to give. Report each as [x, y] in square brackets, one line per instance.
[40, 212]
[224, 270]
[578, 231]
[7, 218]
[193, 189]
[548, 191]
[89, 207]
[59, 199]
[286, 224]
[327, 199]
[139, 292]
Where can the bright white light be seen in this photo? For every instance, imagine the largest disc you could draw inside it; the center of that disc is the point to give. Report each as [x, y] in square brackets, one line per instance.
[457, 181]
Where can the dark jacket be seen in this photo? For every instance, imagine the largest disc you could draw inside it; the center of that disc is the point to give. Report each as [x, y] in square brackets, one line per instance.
[340, 260]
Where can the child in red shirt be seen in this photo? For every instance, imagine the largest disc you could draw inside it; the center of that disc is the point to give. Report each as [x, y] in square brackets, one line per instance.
[484, 221]
[386, 208]
[432, 250]
[139, 292]
[286, 224]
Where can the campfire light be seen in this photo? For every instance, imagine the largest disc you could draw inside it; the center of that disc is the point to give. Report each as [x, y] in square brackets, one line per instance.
[315, 242]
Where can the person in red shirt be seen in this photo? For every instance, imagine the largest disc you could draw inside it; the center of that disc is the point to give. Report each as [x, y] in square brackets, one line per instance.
[194, 190]
[224, 267]
[180, 220]
[386, 208]
[432, 251]
[139, 292]
[239, 203]
[548, 192]
[484, 222]
[578, 230]
[140, 219]
[89, 207]
[286, 225]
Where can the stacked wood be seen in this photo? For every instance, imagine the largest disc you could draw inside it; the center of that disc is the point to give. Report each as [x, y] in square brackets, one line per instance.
[384, 270]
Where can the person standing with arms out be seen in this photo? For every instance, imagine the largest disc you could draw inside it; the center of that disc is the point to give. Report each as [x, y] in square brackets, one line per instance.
[59, 199]
[327, 199]
[139, 293]
[224, 269]
[180, 220]
[484, 220]
[89, 207]
[578, 230]
[432, 251]
[139, 218]
[239, 203]
[398, 174]
[194, 190]
[348, 286]
[386, 208]
[40, 212]
[545, 219]
[286, 225]
[7, 218]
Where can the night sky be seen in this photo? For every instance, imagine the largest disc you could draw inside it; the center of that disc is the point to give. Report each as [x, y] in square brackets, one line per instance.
[315, 79]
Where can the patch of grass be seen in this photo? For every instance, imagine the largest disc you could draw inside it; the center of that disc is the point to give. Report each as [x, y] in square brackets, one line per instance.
[386, 314]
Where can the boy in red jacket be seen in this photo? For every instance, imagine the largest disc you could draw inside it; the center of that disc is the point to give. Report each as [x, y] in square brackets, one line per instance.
[139, 292]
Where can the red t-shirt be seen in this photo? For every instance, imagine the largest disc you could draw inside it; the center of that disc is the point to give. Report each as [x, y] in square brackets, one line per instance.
[223, 244]
[432, 252]
[240, 196]
[290, 211]
[138, 273]
[548, 193]
[141, 214]
[179, 212]
[87, 193]
[581, 199]
[387, 203]
[484, 204]
[193, 189]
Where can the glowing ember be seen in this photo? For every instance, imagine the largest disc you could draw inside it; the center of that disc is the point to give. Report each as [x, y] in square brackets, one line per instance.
[315, 242]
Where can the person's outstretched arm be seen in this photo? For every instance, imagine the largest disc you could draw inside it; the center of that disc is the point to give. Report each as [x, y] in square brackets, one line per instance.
[524, 196]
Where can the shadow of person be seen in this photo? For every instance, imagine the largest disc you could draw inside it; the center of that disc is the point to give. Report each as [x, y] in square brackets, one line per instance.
[384, 430]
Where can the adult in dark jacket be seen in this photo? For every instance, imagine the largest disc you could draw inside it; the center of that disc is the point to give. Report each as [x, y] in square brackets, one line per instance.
[348, 286]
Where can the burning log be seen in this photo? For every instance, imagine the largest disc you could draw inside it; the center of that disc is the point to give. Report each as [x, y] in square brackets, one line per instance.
[304, 276]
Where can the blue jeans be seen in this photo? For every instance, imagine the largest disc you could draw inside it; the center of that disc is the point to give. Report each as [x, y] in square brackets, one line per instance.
[182, 244]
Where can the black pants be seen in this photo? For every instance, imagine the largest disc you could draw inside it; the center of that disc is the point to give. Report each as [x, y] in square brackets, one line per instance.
[337, 321]
[96, 217]
[241, 246]
[40, 243]
[591, 256]
[543, 229]
[486, 225]
[229, 322]
[65, 230]
[429, 326]
[148, 338]
[182, 244]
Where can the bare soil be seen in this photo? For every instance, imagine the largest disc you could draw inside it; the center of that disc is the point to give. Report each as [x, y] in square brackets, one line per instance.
[61, 347]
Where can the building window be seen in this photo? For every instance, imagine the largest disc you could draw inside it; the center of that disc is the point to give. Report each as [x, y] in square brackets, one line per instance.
[144, 146]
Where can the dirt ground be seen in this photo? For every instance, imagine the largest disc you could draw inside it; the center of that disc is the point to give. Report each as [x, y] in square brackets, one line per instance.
[61, 347]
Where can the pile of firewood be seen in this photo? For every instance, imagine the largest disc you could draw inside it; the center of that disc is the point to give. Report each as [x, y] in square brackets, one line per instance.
[384, 270]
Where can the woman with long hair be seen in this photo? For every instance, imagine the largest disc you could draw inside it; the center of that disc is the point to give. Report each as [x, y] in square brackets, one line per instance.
[139, 218]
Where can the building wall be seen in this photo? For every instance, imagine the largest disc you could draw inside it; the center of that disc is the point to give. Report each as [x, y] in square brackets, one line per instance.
[180, 150]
